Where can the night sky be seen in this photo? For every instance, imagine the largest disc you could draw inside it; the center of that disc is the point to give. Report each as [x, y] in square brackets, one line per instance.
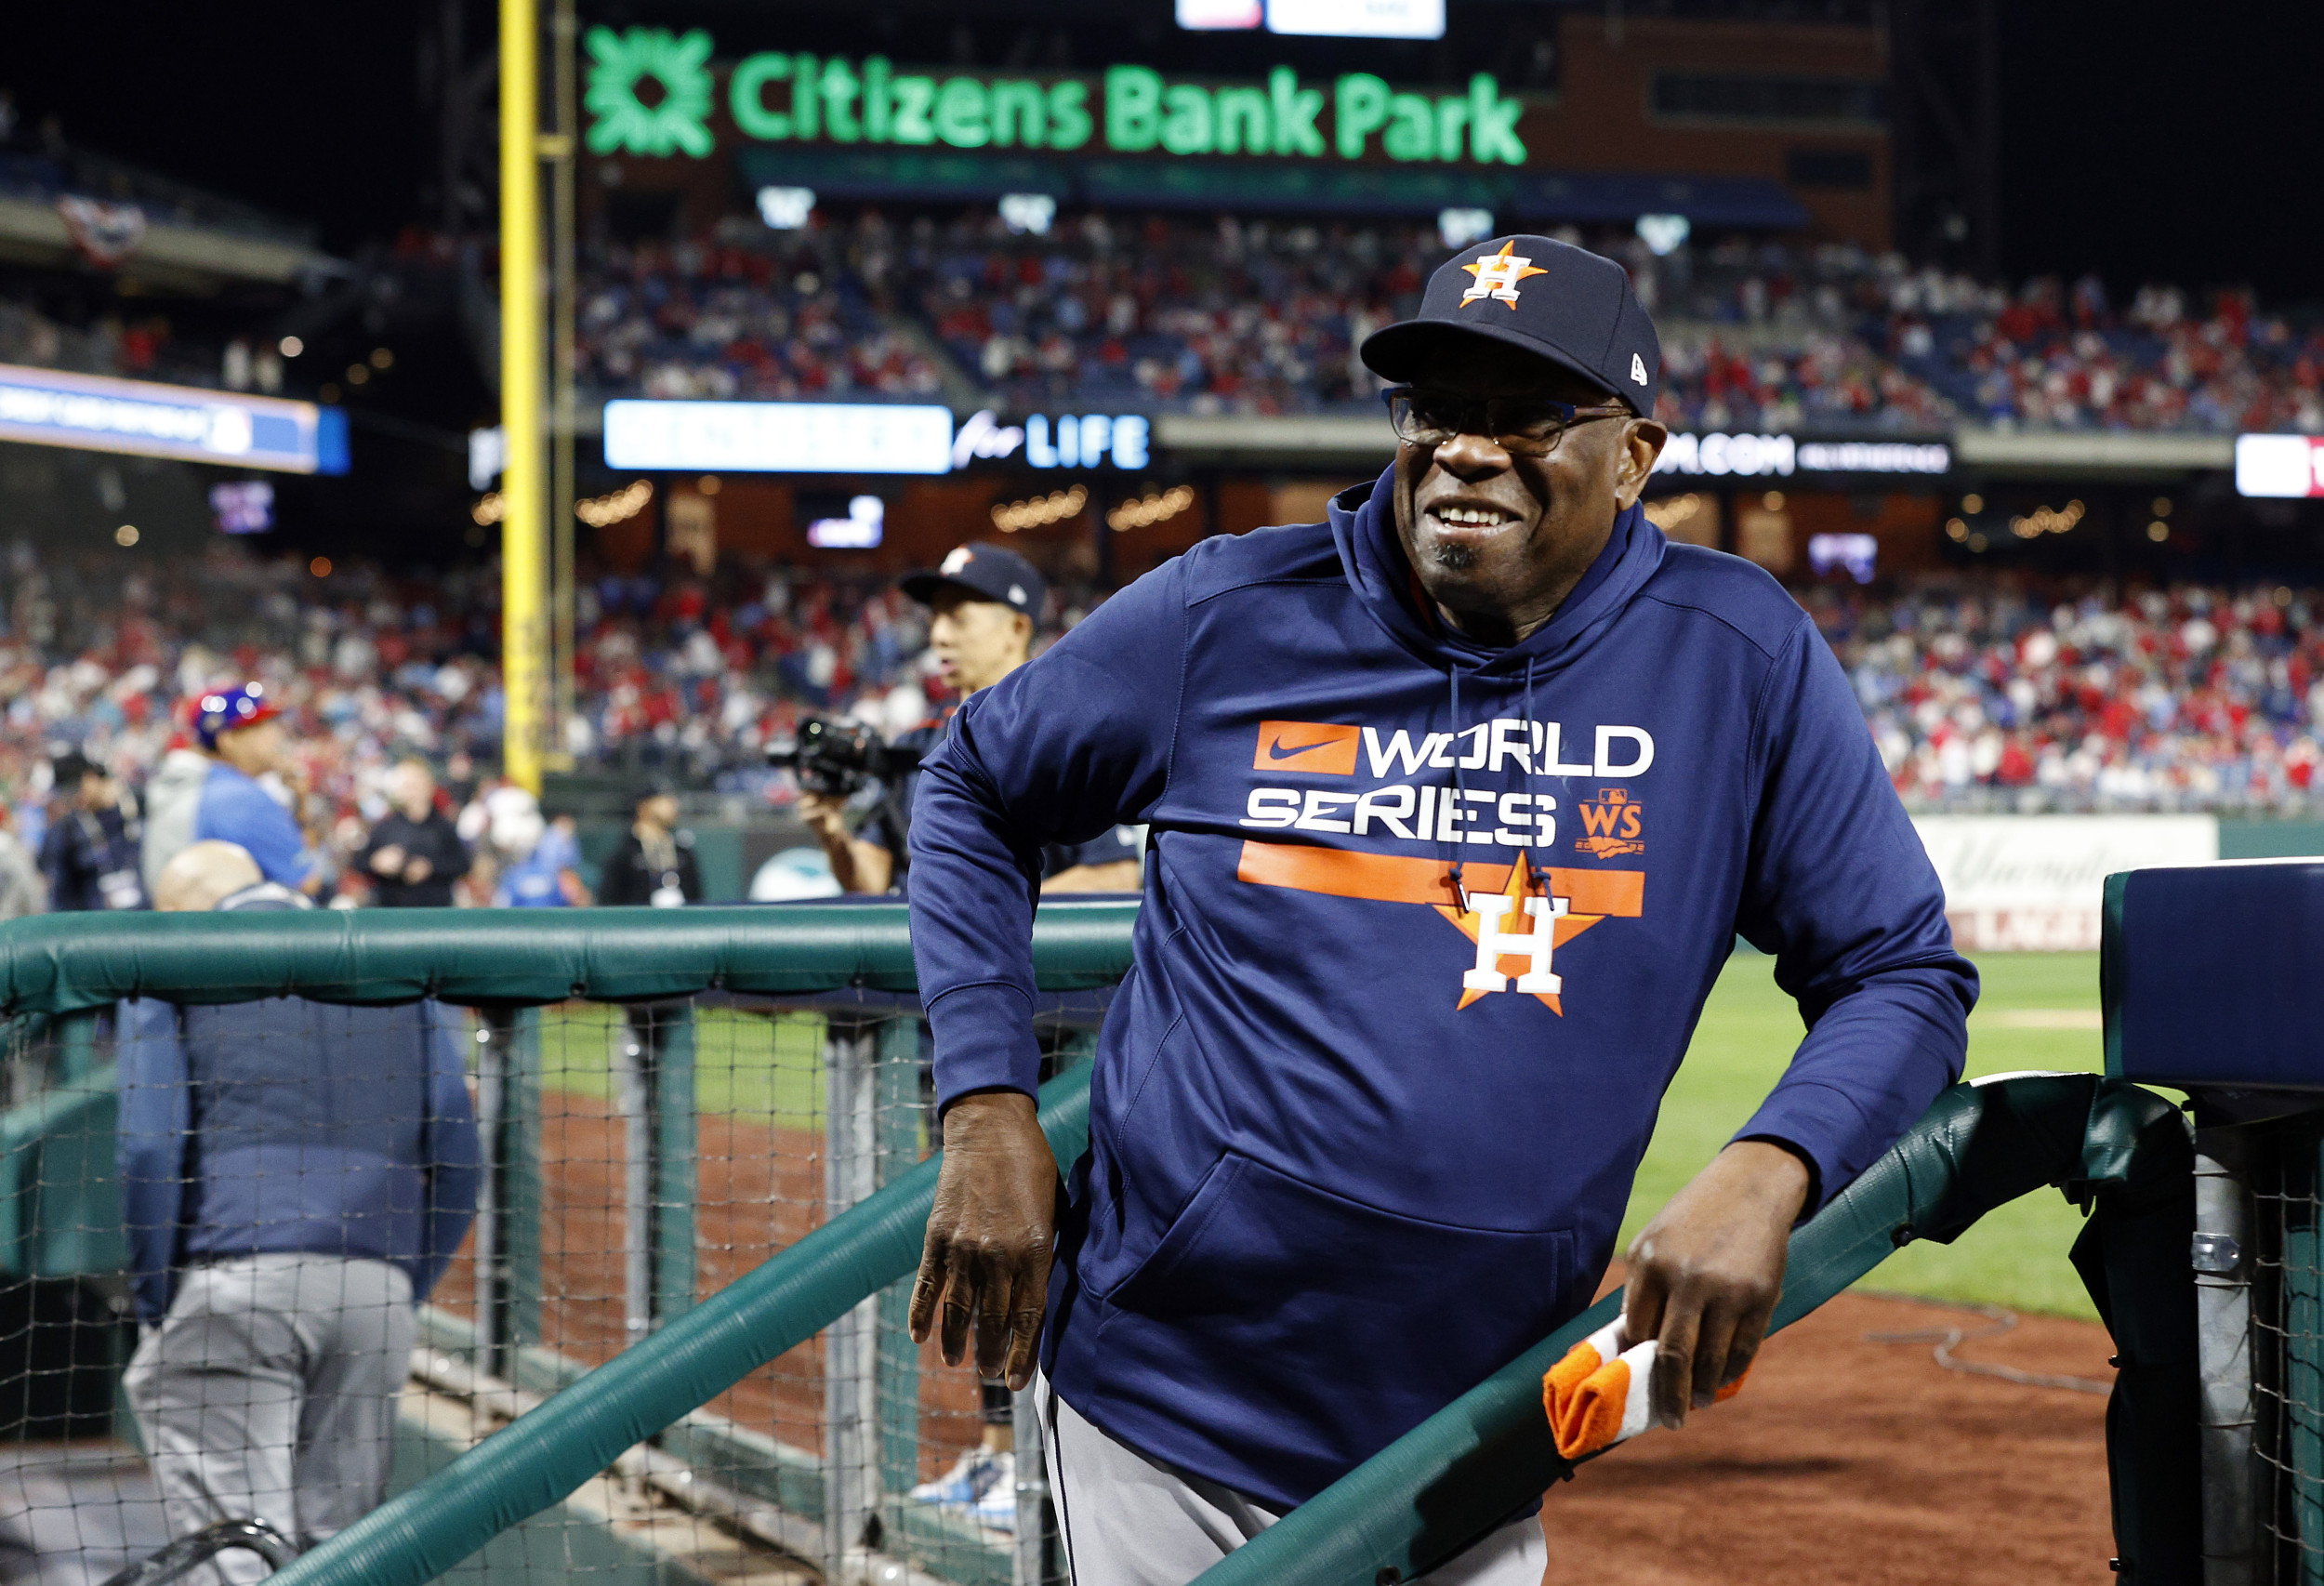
[2140, 138]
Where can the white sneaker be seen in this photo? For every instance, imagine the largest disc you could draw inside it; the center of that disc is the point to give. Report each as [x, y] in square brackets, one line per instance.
[996, 1508]
[970, 1479]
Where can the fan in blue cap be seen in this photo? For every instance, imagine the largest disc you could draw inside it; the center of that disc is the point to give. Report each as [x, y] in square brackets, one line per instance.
[241, 734]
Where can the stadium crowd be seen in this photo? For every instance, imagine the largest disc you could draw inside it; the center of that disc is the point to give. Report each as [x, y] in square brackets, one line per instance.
[2185, 698]
[685, 679]
[1980, 696]
[1166, 312]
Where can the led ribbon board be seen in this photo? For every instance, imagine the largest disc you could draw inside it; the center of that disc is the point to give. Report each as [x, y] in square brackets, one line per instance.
[778, 437]
[143, 418]
[796, 96]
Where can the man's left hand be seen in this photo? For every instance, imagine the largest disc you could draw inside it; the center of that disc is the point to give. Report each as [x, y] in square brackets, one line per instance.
[1705, 1274]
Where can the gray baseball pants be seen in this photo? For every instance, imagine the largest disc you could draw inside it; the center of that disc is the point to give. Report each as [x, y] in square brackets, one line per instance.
[1132, 1521]
[270, 1392]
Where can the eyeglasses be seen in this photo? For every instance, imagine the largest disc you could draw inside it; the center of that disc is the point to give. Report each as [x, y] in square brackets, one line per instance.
[1425, 416]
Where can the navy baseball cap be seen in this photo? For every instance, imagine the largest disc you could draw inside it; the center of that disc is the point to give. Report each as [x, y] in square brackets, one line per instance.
[987, 572]
[1570, 305]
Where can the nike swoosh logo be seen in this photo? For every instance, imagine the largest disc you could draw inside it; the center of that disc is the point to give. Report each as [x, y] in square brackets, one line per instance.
[1276, 751]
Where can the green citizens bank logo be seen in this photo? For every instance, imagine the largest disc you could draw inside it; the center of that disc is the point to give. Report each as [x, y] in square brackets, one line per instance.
[778, 97]
[621, 63]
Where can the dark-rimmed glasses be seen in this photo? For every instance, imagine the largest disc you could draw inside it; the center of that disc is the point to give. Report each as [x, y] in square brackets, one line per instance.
[1424, 415]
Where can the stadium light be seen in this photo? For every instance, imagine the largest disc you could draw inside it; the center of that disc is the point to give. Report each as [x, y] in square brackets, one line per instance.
[1663, 233]
[1357, 19]
[1027, 212]
[1459, 228]
[1214, 16]
[785, 209]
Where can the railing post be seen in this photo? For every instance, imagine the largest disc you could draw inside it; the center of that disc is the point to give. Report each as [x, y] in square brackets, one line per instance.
[851, 1361]
[676, 1139]
[654, 1092]
[2223, 1260]
[900, 1141]
[508, 1209]
[1035, 1563]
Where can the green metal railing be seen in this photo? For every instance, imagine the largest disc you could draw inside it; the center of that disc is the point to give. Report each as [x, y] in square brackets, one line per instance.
[2122, 1149]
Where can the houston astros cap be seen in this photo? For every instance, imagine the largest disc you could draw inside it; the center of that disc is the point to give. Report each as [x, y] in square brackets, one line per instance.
[1571, 306]
[989, 572]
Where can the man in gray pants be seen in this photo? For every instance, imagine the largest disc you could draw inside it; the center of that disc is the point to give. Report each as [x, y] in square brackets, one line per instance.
[295, 1178]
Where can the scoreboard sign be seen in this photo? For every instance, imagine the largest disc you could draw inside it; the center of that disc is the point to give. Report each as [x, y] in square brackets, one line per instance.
[651, 92]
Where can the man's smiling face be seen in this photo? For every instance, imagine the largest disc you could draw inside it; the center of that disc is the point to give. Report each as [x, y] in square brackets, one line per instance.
[1499, 538]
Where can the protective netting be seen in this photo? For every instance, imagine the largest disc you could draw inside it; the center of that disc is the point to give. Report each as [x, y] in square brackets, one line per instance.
[2287, 1181]
[213, 1221]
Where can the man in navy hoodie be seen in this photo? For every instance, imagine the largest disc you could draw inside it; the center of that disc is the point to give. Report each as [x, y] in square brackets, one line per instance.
[1458, 802]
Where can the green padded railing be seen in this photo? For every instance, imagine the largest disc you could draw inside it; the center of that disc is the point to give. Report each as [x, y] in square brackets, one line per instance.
[1468, 1468]
[53, 964]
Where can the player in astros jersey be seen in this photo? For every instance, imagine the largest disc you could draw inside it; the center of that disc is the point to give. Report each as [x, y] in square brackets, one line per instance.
[1459, 800]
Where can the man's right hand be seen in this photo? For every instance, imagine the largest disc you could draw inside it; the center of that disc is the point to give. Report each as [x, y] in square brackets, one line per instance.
[990, 1236]
[821, 812]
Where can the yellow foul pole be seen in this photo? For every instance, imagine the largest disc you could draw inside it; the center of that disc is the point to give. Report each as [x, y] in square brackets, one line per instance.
[523, 487]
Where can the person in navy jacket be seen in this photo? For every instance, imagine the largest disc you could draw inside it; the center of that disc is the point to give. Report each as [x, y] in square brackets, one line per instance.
[295, 1178]
[1458, 803]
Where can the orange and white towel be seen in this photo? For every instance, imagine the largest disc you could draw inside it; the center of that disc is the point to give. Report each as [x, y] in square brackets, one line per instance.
[1597, 1395]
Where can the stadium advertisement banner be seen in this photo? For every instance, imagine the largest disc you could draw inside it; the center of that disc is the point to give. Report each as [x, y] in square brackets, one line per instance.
[1779, 457]
[143, 418]
[779, 437]
[651, 92]
[2016, 883]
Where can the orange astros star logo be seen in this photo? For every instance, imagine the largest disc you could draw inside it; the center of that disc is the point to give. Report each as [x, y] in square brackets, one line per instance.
[1497, 276]
[1505, 907]
[1522, 956]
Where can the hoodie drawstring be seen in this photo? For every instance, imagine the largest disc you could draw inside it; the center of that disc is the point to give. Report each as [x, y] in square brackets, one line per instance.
[1460, 795]
[1534, 870]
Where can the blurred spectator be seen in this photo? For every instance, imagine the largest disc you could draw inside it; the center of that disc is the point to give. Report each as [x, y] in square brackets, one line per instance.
[240, 730]
[415, 854]
[21, 890]
[655, 863]
[90, 853]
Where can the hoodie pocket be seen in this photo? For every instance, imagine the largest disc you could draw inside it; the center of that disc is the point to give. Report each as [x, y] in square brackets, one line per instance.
[1316, 1310]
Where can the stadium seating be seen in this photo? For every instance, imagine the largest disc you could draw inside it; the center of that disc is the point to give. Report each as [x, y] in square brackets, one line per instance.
[1979, 695]
[1171, 311]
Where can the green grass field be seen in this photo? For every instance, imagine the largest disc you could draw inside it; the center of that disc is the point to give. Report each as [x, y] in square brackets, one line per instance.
[768, 1070]
[2038, 1011]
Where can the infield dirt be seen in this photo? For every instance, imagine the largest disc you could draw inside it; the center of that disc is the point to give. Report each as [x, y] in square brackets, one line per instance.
[1850, 1463]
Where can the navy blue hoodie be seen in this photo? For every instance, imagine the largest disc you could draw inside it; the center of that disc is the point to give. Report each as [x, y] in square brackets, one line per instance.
[1357, 1137]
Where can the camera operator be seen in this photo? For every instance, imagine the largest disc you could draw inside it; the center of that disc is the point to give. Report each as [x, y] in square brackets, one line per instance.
[985, 602]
